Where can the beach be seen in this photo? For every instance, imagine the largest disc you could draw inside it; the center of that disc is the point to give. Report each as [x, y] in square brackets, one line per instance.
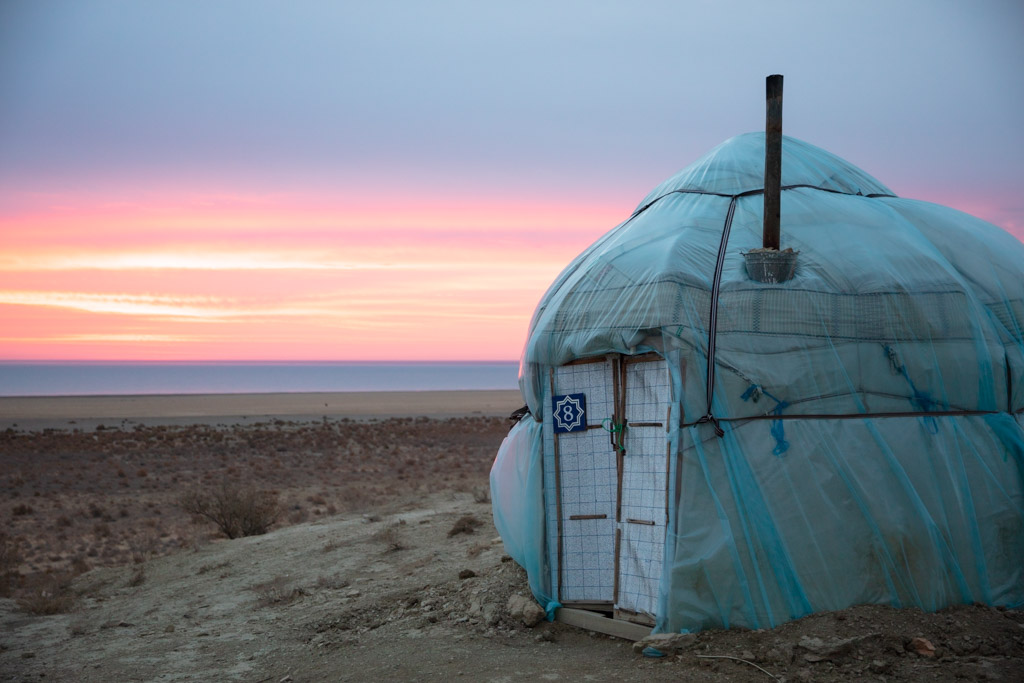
[381, 561]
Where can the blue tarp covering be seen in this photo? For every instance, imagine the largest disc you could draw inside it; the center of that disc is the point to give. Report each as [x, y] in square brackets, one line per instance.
[871, 406]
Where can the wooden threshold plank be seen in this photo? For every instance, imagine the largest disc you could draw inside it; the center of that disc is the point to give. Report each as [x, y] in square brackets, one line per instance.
[595, 622]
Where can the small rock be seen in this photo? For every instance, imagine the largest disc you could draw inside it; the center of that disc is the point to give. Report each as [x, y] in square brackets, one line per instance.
[545, 636]
[525, 609]
[169, 628]
[467, 574]
[489, 614]
[812, 644]
[667, 643]
[921, 646]
[879, 666]
[782, 654]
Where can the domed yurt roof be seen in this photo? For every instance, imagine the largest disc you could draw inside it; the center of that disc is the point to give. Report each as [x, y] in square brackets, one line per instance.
[894, 302]
[709, 447]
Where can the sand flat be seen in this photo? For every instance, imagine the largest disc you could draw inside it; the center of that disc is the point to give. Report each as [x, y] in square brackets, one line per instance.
[41, 412]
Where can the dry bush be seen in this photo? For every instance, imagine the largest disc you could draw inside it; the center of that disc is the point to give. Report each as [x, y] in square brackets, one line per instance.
[335, 582]
[357, 499]
[277, 591]
[464, 525]
[49, 594]
[143, 547]
[210, 567]
[390, 538]
[235, 510]
[478, 548]
[79, 565]
[138, 577]
[9, 560]
[482, 494]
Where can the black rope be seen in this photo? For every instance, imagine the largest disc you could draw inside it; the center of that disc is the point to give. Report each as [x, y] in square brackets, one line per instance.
[713, 317]
[719, 264]
[750, 193]
[517, 415]
[838, 416]
[719, 432]
[709, 416]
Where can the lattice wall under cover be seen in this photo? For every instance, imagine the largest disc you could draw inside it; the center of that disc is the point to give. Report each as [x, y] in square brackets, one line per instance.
[644, 491]
[588, 488]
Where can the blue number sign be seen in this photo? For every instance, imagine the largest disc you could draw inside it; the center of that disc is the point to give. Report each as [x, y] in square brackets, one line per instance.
[569, 413]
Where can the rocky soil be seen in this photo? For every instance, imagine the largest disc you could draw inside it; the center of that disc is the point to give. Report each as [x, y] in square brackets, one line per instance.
[409, 584]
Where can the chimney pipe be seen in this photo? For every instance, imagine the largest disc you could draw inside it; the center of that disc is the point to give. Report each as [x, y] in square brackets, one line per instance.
[772, 161]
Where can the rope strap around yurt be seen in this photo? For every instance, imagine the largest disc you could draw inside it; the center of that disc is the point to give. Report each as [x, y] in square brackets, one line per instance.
[709, 416]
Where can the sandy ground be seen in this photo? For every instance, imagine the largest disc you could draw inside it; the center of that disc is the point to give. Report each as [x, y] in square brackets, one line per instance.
[88, 412]
[383, 566]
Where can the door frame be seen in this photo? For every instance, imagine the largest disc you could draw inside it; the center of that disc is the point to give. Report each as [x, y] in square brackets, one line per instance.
[617, 435]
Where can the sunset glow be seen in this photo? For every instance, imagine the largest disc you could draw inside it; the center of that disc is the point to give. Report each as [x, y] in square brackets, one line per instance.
[229, 280]
[366, 181]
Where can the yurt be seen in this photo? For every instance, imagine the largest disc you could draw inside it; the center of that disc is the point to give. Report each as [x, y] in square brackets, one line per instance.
[707, 446]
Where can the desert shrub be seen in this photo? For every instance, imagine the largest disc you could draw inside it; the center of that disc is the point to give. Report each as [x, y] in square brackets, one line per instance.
[79, 565]
[334, 582]
[464, 525]
[210, 567]
[236, 511]
[138, 577]
[277, 591]
[49, 594]
[390, 538]
[9, 560]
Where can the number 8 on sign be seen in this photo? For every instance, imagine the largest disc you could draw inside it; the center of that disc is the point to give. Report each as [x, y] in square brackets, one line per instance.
[569, 413]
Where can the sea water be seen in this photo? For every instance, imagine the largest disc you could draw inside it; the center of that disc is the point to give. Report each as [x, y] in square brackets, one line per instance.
[128, 378]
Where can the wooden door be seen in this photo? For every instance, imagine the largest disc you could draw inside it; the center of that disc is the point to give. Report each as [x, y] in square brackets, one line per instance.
[609, 417]
[643, 498]
[587, 480]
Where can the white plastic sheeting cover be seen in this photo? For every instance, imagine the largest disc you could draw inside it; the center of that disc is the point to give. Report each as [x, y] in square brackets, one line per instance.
[870, 407]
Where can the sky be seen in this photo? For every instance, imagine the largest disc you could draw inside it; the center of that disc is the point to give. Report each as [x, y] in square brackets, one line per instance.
[253, 180]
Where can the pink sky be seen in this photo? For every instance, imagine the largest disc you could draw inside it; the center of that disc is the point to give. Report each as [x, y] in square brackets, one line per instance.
[282, 278]
[254, 180]
[289, 277]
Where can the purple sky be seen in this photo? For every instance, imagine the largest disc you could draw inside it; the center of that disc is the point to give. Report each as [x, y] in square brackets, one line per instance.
[535, 98]
[403, 180]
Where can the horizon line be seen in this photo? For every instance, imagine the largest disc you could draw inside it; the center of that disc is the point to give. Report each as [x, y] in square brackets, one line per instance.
[241, 361]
